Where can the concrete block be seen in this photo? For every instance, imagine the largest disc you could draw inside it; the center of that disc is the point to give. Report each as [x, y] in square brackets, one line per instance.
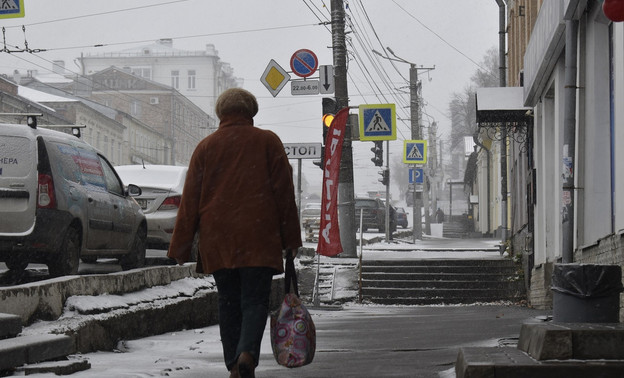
[34, 348]
[562, 341]
[514, 363]
[546, 341]
[65, 367]
[10, 325]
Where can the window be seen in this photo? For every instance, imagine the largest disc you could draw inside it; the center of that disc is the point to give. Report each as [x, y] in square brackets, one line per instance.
[135, 108]
[144, 72]
[191, 79]
[112, 182]
[175, 79]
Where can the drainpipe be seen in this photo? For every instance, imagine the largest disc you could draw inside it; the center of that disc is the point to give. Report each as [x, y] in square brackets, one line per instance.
[489, 179]
[569, 142]
[503, 83]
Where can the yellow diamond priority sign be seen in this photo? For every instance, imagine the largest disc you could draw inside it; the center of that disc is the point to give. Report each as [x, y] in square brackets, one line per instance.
[274, 78]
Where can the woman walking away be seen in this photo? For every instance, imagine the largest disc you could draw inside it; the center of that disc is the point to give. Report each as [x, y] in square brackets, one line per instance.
[239, 198]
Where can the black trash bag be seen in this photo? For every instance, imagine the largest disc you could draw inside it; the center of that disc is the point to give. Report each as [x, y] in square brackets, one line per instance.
[587, 280]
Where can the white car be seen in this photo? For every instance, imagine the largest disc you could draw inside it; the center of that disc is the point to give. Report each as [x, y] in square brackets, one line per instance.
[161, 187]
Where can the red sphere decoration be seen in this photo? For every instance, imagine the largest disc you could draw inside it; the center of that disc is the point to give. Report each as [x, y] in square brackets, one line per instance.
[614, 10]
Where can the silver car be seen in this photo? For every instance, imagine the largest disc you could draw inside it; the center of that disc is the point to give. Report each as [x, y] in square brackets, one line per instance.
[61, 201]
[161, 187]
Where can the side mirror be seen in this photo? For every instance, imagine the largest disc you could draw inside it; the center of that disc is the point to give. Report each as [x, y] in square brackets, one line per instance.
[134, 191]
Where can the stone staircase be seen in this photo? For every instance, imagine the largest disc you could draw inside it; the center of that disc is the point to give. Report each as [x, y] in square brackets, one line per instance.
[440, 281]
[28, 354]
[454, 230]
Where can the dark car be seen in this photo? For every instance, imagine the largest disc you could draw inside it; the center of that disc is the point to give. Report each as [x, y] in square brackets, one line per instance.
[373, 214]
[401, 216]
[62, 201]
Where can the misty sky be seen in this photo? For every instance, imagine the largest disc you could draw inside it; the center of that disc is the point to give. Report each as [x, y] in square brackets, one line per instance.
[452, 35]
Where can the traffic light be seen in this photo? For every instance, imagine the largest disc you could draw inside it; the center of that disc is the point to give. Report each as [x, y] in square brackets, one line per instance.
[31, 121]
[378, 151]
[385, 177]
[330, 108]
[320, 163]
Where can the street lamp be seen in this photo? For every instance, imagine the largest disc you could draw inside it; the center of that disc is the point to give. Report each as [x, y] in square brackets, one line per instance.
[416, 134]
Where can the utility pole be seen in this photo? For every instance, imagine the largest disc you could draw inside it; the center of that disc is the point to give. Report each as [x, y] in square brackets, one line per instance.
[416, 133]
[346, 204]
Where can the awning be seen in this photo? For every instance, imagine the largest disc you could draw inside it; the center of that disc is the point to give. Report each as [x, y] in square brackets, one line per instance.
[502, 106]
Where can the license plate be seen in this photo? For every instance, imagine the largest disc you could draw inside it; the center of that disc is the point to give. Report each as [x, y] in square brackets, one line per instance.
[142, 203]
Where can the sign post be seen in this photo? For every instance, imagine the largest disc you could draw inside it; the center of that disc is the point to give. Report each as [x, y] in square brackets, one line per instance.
[301, 151]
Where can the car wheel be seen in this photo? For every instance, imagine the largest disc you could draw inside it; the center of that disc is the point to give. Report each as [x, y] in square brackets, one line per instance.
[67, 260]
[136, 257]
[16, 264]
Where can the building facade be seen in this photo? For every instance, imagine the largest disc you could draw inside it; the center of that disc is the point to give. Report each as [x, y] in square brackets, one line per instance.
[200, 76]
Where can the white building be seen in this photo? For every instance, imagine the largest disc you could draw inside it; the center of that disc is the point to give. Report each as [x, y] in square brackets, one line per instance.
[596, 117]
[198, 75]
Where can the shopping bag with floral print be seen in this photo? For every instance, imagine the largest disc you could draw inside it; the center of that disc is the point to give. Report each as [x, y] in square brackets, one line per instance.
[293, 335]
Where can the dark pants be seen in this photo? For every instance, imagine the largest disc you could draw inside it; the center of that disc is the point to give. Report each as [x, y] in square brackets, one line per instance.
[243, 310]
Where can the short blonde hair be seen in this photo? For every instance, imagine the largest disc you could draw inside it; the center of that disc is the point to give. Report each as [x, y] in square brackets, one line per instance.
[236, 101]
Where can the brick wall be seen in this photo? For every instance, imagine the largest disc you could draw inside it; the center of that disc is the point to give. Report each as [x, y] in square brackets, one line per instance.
[540, 295]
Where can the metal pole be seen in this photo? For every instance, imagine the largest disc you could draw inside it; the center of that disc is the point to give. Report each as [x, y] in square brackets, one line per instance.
[502, 14]
[346, 213]
[388, 231]
[415, 123]
[299, 188]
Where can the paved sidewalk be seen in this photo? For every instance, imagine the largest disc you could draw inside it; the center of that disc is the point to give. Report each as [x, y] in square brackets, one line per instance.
[358, 341]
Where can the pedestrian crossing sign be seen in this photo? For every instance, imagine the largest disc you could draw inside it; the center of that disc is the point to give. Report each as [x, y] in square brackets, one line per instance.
[12, 9]
[415, 151]
[377, 122]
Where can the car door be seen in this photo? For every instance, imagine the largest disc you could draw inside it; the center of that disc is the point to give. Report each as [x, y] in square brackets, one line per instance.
[99, 210]
[123, 216]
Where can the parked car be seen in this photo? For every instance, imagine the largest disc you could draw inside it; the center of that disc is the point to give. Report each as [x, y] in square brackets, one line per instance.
[311, 221]
[60, 201]
[401, 216]
[373, 212]
[161, 187]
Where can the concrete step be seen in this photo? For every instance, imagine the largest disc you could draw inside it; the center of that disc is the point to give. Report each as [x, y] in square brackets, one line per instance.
[64, 367]
[10, 325]
[441, 262]
[441, 284]
[437, 276]
[441, 281]
[22, 350]
[426, 301]
[514, 363]
[439, 269]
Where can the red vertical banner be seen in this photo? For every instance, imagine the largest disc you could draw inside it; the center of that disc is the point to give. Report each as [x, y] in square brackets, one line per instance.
[329, 234]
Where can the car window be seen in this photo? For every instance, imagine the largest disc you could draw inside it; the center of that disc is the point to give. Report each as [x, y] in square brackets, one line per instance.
[91, 169]
[365, 203]
[65, 158]
[113, 185]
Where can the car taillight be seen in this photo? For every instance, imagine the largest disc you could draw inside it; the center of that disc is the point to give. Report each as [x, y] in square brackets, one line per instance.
[45, 195]
[171, 203]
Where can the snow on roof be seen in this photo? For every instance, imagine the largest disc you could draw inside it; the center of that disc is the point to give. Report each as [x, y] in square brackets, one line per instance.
[39, 97]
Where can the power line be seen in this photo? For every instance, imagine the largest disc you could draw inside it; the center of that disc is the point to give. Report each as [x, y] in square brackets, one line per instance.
[100, 14]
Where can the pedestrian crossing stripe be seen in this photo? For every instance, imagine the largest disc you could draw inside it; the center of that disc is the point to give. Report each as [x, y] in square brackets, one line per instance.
[12, 8]
[415, 151]
[377, 122]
